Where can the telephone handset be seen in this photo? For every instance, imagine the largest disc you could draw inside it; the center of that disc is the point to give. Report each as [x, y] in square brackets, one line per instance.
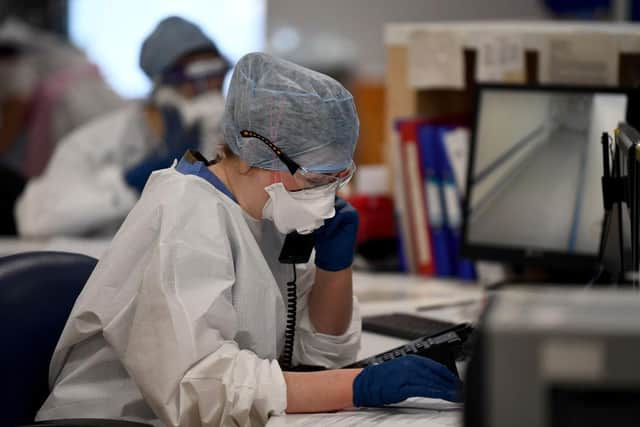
[296, 248]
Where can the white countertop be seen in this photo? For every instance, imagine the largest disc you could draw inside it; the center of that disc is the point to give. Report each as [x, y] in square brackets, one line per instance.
[92, 247]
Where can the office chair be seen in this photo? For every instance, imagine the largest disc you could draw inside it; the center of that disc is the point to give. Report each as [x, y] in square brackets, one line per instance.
[37, 292]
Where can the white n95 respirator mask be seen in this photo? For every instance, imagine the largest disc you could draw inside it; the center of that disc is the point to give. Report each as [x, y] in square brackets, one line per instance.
[303, 211]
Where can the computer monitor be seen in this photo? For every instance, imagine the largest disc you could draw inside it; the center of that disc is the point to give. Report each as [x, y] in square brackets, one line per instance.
[619, 251]
[533, 191]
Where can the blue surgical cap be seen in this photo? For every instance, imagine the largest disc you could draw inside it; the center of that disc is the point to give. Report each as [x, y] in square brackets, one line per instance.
[172, 38]
[308, 115]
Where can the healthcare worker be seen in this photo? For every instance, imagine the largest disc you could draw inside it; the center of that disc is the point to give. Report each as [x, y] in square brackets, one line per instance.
[183, 321]
[97, 173]
[48, 88]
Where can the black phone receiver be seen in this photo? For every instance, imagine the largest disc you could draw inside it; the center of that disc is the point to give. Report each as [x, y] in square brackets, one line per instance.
[296, 248]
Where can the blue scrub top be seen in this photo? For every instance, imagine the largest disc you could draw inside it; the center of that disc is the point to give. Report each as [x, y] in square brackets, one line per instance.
[200, 169]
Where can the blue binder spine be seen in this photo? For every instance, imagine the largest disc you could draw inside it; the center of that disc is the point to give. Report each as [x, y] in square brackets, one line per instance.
[427, 136]
[452, 207]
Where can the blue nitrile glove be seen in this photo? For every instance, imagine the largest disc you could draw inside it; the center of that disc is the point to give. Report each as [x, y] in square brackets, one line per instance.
[176, 141]
[402, 378]
[335, 241]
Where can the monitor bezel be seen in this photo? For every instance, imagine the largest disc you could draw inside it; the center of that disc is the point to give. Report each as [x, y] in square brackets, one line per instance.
[523, 256]
[627, 138]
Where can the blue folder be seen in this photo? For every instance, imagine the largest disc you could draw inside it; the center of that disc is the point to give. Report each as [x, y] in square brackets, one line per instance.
[427, 144]
[451, 205]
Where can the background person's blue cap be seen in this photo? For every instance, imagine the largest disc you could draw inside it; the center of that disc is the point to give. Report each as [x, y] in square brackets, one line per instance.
[173, 38]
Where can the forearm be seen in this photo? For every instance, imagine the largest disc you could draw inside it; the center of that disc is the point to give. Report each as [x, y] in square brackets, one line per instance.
[331, 301]
[320, 391]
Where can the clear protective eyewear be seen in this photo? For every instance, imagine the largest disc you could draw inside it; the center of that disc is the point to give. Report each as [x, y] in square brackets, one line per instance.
[196, 72]
[305, 178]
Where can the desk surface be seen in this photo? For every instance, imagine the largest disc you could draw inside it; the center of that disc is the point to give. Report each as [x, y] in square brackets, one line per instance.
[378, 294]
[92, 247]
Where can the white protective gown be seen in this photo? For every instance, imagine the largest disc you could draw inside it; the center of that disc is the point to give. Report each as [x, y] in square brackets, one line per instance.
[183, 318]
[83, 190]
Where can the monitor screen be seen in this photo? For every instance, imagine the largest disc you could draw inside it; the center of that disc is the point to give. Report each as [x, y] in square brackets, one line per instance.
[534, 185]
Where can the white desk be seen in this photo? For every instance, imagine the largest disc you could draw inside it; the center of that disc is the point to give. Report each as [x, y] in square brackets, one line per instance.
[92, 247]
[387, 293]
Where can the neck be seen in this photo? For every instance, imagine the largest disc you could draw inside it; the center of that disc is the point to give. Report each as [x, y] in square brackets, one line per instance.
[242, 186]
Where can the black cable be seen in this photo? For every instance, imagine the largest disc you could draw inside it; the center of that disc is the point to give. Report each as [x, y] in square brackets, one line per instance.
[290, 331]
[617, 174]
[596, 277]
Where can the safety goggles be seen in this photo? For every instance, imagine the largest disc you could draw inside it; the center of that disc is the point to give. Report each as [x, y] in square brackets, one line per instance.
[305, 178]
[196, 71]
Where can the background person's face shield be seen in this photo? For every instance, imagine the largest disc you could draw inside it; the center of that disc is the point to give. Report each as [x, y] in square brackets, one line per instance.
[303, 178]
[201, 75]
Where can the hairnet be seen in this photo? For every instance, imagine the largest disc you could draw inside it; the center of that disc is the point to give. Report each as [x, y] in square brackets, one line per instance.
[308, 115]
[172, 38]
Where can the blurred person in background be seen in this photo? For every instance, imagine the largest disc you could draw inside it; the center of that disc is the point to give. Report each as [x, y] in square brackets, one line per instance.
[97, 173]
[48, 89]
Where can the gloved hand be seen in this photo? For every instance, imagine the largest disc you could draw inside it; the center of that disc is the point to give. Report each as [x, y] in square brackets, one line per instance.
[402, 378]
[176, 141]
[335, 241]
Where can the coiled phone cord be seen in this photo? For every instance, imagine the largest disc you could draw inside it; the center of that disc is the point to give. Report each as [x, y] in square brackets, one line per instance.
[290, 331]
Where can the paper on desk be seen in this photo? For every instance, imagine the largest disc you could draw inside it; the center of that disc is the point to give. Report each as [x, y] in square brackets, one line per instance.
[427, 404]
[436, 60]
[380, 287]
[468, 313]
[412, 412]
